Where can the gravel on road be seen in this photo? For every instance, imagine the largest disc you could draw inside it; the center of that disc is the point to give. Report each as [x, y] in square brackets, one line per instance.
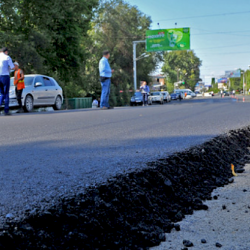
[227, 221]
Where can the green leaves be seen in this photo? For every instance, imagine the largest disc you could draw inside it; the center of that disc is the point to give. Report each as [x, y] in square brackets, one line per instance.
[182, 66]
[47, 37]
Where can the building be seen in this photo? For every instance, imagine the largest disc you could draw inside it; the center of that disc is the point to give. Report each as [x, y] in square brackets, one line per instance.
[199, 86]
[157, 81]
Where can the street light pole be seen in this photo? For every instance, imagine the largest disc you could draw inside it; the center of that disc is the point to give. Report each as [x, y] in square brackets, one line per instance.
[134, 61]
[243, 83]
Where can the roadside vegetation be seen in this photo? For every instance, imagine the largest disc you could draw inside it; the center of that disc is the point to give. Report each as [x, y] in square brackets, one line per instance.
[65, 39]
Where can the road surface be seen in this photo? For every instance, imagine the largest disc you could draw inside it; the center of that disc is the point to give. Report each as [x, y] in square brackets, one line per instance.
[45, 155]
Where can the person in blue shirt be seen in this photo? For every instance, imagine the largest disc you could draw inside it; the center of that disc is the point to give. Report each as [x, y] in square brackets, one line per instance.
[6, 65]
[145, 92]
[105, 78]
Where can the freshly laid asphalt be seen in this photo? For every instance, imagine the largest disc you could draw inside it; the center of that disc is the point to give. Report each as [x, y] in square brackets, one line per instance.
[49, 154]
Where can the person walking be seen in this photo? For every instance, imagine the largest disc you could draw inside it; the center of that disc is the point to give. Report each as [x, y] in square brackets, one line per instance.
[221, 93]
[6, 65]
[19, 83]
[105, 78]
[145, 92]
[180, 96]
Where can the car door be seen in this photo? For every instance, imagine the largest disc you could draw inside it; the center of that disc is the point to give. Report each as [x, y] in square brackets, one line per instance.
[40, 92]
[52, 89]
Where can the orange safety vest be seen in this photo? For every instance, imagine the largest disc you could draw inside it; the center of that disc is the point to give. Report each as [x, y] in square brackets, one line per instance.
[19, 83]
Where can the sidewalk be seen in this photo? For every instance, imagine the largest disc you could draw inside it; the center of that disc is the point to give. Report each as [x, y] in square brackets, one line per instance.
[227, 221]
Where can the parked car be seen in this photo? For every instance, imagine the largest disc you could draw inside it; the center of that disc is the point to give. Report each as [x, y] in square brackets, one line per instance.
[136, 99]
[225, 93]
[175, 96]
[157, 97]
[39, 91]
[166, 96]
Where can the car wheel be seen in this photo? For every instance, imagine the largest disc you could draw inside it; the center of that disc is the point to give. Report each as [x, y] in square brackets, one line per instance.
[28, 104]
[58, 103]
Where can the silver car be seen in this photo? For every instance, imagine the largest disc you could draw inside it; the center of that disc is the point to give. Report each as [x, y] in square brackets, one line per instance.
[40, 91]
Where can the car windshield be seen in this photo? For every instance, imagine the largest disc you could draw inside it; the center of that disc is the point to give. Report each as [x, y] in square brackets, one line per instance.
[155, 93]
[28, 80]
[137, 94]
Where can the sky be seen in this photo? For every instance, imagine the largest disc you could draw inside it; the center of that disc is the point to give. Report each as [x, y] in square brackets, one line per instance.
[219, 29]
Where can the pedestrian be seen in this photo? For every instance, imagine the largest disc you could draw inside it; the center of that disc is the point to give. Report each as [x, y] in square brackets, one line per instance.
[233, 92]
[105, 78]
[185, 94]
[145, 92]
[95, 103]
[221, 93]
[19, 83]
[180, 96]
[6, 65]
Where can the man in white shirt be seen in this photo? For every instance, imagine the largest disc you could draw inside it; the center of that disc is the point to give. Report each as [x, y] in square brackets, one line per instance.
[6, 65]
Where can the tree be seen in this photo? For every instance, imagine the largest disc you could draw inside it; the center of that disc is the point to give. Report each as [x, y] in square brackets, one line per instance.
[48, 37]
[115, 27]
[182, 65]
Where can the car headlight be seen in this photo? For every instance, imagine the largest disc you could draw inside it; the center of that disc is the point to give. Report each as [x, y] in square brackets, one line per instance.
[12, 92]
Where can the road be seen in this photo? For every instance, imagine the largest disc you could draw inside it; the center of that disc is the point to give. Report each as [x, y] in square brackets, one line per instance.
[45, 155]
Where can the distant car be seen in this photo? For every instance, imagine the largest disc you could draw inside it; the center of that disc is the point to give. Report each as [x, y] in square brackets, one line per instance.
[157, 97]
[225, 93]
[136, 99]
[198, 94]
[39, 91]
[174, 96]
[166, 96]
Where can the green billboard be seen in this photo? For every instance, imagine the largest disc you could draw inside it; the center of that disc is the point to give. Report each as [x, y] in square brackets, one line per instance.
[168, 39]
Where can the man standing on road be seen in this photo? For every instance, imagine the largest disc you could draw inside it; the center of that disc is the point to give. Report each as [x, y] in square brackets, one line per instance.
[105, 77]
[19, 83]
[6, 65]
[221, 93]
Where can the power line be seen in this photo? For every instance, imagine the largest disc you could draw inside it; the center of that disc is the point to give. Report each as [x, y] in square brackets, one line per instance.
[223, 46]
[212, 15]
[225, 53]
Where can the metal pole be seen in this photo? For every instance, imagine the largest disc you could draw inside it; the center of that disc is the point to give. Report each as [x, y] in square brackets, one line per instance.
[134, 61]
[243, 83]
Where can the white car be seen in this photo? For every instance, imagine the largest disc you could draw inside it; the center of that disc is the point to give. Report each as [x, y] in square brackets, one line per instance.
[39, 91]
[190, 94]
[166, 96]
[157, 97]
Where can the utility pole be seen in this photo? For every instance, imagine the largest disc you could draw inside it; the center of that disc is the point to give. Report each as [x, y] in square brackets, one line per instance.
[134, 61]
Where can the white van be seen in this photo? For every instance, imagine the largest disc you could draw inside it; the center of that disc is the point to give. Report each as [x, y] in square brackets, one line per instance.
[190, 93]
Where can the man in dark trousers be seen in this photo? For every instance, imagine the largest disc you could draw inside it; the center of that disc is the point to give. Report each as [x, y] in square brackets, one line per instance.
[19, 83]
[105, 77]
[6, 65]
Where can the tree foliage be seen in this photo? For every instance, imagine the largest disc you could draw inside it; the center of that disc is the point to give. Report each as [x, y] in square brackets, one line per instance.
[182, 65]
[114, 28]
[47, 37]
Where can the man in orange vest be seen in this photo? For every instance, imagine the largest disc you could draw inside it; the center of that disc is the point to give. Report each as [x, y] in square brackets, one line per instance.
[19, 83]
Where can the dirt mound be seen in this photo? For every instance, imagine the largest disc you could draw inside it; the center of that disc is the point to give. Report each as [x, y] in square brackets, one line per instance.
[133, 211]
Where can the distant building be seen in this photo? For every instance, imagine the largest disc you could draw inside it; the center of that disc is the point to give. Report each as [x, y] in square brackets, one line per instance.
[157, 81]
[199, 86]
